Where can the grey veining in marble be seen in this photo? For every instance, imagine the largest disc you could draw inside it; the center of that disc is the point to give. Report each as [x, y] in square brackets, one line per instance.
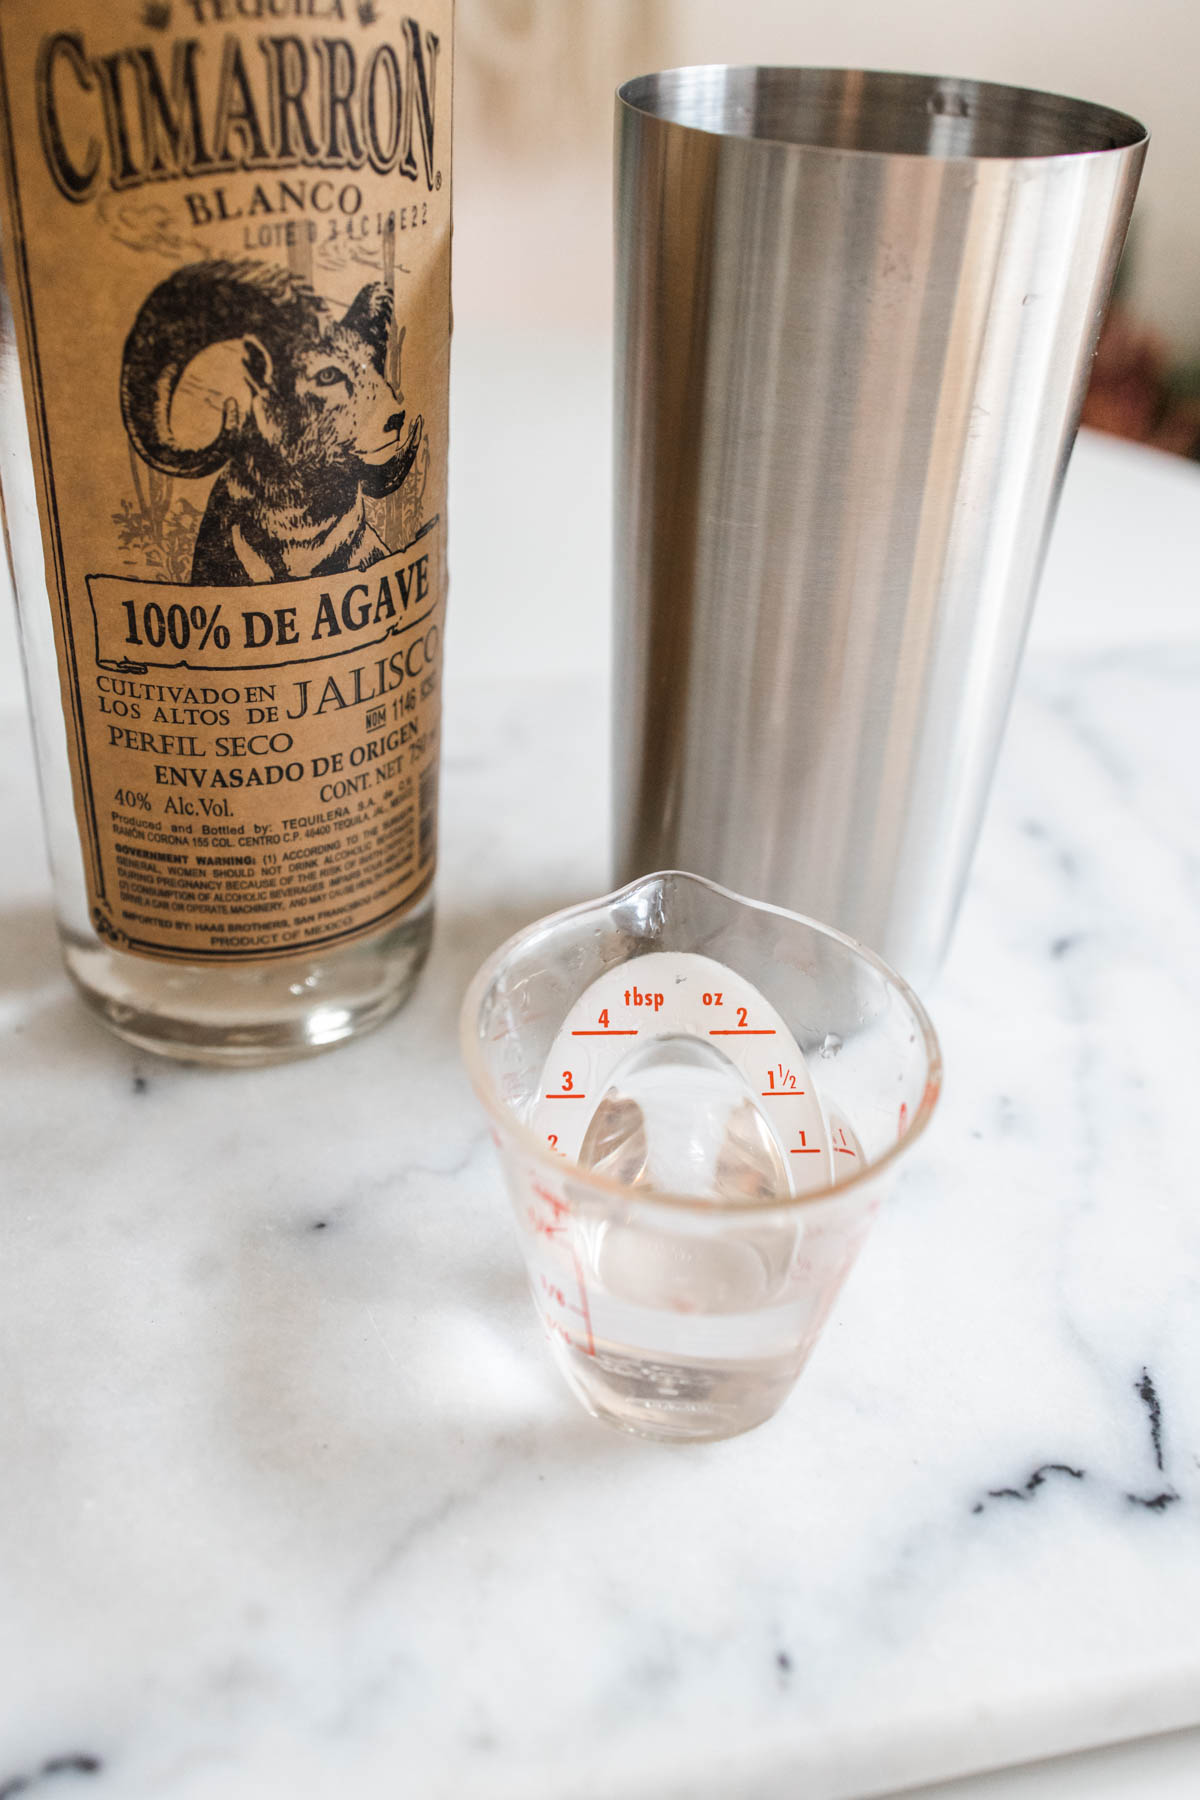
[293, 1503]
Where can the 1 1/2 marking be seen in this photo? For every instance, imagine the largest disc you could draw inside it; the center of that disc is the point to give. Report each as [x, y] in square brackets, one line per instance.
[785, 1086]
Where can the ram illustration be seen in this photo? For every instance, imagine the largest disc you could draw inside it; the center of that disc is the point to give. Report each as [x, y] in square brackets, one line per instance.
[309, 425]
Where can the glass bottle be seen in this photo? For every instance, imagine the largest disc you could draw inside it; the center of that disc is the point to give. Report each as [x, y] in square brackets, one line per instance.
[223, 428]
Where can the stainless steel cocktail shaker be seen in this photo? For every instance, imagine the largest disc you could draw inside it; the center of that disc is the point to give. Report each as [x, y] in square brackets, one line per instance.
[854, 318]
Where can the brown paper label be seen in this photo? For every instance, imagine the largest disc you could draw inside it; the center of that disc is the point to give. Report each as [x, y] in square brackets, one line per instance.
[227, 241]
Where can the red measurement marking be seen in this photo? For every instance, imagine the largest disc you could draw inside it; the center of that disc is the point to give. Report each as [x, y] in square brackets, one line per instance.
[903, 1126]
[781, 1093]
[744, 1031]
[808, 1150]
[585, 1309]
[613, 1033]
[564, 1096]
[557, 1206]
[552, 1325]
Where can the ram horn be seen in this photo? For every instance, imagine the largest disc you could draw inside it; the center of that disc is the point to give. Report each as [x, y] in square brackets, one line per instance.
[198, 306]
[379, 482]
[370, 316]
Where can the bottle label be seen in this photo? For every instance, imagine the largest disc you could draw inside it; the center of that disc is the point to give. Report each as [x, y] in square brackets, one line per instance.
[227, 243]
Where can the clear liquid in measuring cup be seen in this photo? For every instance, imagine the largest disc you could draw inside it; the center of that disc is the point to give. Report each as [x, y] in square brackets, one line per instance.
[680, 1117]
[672, 1074]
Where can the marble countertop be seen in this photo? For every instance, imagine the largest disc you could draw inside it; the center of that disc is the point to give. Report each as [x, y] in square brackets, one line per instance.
[294, 1503]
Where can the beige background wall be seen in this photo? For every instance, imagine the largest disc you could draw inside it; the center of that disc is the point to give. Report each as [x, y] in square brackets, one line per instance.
[536, 78]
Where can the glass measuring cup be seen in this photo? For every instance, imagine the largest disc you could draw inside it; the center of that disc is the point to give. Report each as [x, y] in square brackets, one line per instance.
[689, 1314]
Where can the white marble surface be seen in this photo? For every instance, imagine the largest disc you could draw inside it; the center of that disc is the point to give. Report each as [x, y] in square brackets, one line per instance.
[292, 1503]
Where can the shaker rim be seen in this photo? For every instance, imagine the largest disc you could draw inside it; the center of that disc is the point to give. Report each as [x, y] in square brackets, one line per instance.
[719, 100]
